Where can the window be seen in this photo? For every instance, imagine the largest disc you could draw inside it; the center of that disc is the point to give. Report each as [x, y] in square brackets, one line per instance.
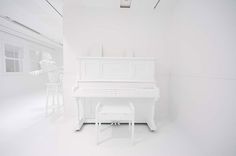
[13, 58]
[35, 57]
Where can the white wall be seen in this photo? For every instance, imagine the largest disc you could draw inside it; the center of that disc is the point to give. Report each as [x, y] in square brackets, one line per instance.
[203, 79]
[118, 31]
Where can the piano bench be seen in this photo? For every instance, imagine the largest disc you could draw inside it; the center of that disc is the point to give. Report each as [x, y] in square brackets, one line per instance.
[115, 112]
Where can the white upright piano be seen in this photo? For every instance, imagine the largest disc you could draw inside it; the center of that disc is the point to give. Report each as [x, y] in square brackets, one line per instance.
[116, 80]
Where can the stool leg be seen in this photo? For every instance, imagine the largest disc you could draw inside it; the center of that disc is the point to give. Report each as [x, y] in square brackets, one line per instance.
[47, 105]
[132, 133]
[97, 131]
[129, 127]
[52, 102]
[58, 102]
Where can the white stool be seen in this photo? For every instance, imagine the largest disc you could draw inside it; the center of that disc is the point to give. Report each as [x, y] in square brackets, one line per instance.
[115, 112]
[54, 93]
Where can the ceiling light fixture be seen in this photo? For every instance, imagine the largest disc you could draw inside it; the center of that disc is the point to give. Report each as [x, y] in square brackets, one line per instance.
[125, 3]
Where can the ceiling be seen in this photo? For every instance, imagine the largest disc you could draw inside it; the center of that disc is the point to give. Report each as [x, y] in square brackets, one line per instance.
[135, 4]
[38, 15]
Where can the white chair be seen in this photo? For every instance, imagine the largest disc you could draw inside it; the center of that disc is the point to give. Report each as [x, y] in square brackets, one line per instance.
[115, 113]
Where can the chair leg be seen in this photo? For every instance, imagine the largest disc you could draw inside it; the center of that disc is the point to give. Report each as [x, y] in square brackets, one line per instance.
[63, 106]
[47, 103]
[58, 102]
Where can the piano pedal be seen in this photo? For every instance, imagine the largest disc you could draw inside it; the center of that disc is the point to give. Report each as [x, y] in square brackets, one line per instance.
[115, 123]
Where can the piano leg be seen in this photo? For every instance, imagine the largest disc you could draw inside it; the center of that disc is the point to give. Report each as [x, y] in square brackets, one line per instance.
[80, 113]
[151, 122]
[152, 125]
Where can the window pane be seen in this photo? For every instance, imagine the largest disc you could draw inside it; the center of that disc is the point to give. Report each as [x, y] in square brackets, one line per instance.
[17, 66]
[13, 51]
[14, 58]
[9, 65]
[17, 54]
[12, 65]
[9, 54]
[35, 59]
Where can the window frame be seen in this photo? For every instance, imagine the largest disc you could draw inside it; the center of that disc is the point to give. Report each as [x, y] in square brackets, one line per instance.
[20, 59]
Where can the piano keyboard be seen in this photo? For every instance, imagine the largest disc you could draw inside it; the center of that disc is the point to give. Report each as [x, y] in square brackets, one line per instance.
[119, 93]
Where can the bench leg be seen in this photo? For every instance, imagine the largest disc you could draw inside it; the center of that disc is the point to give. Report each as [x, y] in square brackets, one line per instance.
[132, 133]
[129, 127]
[97, 131]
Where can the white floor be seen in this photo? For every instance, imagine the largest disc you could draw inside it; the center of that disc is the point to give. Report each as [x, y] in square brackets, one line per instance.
[25, 131]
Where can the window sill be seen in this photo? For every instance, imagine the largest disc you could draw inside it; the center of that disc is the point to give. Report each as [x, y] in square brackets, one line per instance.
[13, 73]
